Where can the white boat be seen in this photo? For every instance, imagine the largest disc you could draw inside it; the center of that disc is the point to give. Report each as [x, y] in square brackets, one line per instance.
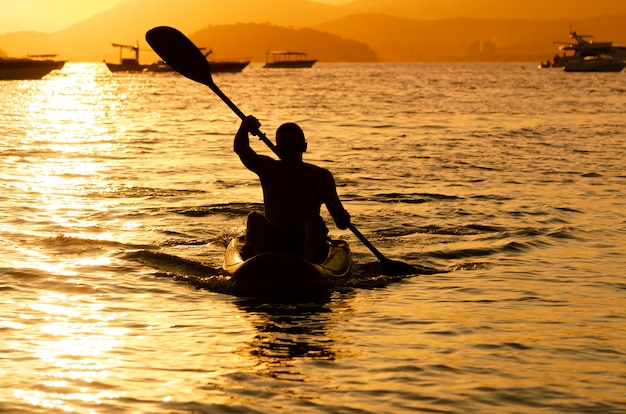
[583, 48]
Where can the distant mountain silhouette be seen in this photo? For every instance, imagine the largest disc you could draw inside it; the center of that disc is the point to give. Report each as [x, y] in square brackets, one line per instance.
[252, 41]
[465, 39]
[489, 9]
[127, 22]
[363, 30]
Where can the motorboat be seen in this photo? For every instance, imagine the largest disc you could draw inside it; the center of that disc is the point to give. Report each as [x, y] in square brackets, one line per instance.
[582, 48]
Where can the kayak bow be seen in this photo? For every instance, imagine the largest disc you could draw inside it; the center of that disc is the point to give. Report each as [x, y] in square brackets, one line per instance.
[275, 272]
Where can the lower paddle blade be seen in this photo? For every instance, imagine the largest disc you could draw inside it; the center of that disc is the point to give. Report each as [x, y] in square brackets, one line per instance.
[180, 53]
[396, 268]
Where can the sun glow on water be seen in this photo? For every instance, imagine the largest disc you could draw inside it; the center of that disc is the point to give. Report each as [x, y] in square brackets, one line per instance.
[61, 176]
[67, 122]
[77, 342]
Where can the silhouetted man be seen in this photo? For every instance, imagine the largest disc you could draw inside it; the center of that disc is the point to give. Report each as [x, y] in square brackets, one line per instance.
[292, 220]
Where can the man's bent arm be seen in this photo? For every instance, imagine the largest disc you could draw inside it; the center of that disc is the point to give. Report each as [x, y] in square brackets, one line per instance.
[242, 142]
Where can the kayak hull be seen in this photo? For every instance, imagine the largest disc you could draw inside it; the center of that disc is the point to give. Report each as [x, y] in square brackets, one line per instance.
[277, 272]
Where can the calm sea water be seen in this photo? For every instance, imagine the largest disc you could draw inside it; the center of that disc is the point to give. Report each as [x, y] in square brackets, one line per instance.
[506, 183]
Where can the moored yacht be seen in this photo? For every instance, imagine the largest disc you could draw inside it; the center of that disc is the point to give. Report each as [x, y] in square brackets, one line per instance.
[582, 48]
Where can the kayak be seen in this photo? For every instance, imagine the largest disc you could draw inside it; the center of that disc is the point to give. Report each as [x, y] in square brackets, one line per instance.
[278, 272]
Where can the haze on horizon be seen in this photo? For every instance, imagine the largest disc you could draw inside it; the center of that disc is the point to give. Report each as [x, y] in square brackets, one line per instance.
[50, 16]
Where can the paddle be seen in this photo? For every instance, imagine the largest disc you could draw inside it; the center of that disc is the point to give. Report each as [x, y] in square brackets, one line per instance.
[184, 57]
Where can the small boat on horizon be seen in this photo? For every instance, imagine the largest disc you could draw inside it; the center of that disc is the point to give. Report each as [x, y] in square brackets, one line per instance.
[126, 64]
[31, 67]
[277, 59]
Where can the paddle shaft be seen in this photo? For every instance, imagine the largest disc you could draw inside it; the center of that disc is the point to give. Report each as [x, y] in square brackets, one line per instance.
[184, 56]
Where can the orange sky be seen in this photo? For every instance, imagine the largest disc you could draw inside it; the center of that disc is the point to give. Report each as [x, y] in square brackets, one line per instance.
[54, 15]
[47, 15]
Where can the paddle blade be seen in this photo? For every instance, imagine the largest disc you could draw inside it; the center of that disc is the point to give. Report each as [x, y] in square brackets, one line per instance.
[396, 268]
[180, 53]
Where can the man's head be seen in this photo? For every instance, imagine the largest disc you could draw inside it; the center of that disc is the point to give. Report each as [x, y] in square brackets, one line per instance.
[290, 140]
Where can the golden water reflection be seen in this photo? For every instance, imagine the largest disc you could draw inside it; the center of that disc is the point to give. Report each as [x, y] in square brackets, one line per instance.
[68, 122]
[78, 349]
[60, 128]
[63, 127]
